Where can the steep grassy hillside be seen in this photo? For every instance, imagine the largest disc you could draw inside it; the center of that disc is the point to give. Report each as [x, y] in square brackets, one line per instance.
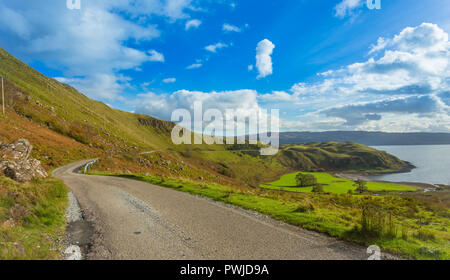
[64, 125]
[339, 156]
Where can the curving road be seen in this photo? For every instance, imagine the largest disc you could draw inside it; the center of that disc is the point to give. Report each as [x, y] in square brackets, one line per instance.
[134, 220]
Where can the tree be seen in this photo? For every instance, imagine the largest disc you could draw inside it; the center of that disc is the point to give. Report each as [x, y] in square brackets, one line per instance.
[305, 180]
[361, 186]
[317, 188]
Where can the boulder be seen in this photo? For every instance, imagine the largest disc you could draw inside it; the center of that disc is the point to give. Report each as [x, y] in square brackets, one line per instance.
[19, 150]
[17, 163]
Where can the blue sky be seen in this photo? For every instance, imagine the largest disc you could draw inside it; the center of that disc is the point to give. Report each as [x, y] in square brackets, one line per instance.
[322, 63]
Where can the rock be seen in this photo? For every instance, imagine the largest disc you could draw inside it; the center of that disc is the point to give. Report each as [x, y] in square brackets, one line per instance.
[18, 164]
[73, 253]
[9, 223]
[19, 247]
[19, 150]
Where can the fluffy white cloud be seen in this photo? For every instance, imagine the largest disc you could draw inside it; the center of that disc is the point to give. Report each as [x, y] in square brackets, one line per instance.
[155, 56]
[410, 79]
[89, 43]
[230, 28]
[100, 86]
[347, 7]
[243, 102]
[194, 66]
[169, 80]
[213, 48]
[162, 105]
[193, 23]
[264, 52]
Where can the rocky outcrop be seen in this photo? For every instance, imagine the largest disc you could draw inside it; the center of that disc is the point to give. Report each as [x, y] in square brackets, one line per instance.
[19, 150]
[16, 163]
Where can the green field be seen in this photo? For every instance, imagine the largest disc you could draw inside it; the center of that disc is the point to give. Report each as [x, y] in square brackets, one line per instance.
[330, 184]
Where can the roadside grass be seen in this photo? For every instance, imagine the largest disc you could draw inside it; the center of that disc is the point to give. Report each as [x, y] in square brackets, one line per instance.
[32, 219]
[405, 226]
[331, 184]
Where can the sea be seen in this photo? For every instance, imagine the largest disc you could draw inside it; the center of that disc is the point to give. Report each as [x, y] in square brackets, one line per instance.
[432, 164]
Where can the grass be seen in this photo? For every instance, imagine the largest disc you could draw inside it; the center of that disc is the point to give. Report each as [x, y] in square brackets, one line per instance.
[331, 184]
[32, 221]
[404, 226]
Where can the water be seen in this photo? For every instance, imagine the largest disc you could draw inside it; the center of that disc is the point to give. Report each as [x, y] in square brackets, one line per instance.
[432, 162]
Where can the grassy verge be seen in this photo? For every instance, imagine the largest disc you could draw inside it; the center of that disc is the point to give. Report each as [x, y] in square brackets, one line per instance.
[331, 184]
[32, 221]
[405, 226]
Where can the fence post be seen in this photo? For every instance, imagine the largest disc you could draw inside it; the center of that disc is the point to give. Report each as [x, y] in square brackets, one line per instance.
[3, 97]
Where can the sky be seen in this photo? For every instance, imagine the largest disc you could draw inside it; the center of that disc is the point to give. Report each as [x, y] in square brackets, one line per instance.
[326, 65]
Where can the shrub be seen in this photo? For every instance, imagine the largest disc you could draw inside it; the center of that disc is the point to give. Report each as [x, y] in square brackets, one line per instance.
[305, 180]
[361, 186]
[317, 188]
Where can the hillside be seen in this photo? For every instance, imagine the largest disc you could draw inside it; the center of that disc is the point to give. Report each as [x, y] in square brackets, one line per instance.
[333, 156]
[64, 126]
[366, 138]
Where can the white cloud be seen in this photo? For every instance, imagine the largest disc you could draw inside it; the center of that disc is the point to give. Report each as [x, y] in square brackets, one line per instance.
[213, 48]
[15, 22]
[87, 44]
[244, 102]
[156, 56]
[194, 66]
[407, 88]
[230, 28]
[409, 81]
[250, 67]
[381, 44]
[169, 80]
[193, 23]
[100, 86]
[264, 51]
[347, 7]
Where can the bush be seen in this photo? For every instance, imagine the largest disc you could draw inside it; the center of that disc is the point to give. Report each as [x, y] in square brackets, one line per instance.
[305, 180]
[317, 188]
[361, 186]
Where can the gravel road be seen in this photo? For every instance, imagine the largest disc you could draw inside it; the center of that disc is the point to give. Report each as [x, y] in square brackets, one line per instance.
[134, 220]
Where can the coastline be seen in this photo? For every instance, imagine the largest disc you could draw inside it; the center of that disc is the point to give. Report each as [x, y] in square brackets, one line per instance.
[362, 176]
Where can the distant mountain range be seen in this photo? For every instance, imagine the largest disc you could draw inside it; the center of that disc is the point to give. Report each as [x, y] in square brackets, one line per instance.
[366, 138]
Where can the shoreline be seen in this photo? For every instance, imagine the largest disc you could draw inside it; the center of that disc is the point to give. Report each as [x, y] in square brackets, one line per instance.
[424, 186]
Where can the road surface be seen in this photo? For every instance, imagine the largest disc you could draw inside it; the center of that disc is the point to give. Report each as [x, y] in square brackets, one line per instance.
[129, 219]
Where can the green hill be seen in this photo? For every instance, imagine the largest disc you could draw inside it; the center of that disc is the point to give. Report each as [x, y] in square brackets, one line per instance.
[64, 125]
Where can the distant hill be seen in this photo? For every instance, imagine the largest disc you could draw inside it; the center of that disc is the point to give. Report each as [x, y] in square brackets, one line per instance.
[366, 138]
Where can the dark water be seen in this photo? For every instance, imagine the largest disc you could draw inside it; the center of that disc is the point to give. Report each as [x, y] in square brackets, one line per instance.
[432, 162]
